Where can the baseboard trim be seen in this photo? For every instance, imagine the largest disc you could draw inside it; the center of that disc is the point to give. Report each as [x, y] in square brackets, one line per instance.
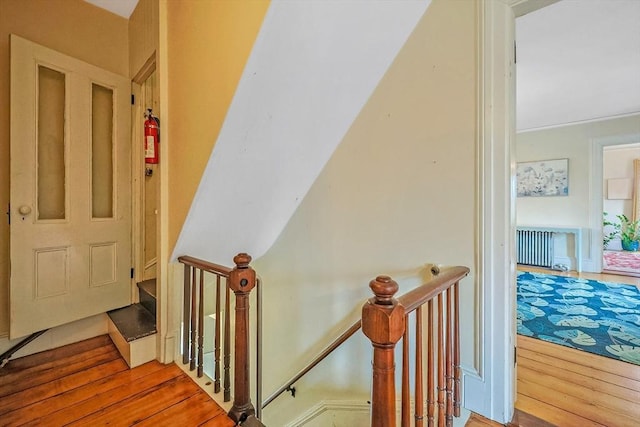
[353, 406]
[356, 407]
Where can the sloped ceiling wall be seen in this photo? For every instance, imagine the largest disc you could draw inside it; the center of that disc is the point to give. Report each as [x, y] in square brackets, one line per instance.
[312, 68]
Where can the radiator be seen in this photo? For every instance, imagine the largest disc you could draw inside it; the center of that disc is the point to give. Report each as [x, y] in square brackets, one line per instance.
[535, 248]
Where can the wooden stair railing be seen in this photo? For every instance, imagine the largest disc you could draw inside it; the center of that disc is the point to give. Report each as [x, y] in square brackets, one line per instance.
[385, 321]
[241, 280]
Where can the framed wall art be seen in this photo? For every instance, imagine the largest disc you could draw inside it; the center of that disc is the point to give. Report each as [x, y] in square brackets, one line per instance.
[543, 178]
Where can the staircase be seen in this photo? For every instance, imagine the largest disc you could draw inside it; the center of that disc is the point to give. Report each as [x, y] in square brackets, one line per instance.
[133, 328]
[432, 307]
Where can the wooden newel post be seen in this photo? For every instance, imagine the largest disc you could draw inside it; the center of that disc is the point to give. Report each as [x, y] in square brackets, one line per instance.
[242, 280]
[383, 324]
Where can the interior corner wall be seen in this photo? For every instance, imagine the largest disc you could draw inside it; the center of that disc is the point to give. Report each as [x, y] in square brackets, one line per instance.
[209, 43]
[573, 142]
[70, 27]
[398, 192]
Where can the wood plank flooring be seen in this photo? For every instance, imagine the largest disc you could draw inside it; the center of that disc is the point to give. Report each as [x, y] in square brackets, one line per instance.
[520, 419]
[89, 384]
[568, 387]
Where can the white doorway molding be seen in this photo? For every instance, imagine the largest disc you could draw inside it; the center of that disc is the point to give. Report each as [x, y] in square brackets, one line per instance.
[596, 210]
[490, 386]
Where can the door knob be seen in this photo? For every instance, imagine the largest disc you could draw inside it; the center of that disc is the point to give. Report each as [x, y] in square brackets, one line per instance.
[24, 210]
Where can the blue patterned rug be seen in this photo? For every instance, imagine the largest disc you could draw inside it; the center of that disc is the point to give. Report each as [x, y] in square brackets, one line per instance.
[598, 317]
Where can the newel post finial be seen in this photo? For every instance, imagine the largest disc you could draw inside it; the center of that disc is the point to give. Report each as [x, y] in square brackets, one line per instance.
[242, 260]
[384, 288]
[383, 323]
[242, 279]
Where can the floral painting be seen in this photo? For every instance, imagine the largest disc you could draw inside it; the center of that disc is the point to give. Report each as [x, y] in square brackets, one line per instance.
[543, 178]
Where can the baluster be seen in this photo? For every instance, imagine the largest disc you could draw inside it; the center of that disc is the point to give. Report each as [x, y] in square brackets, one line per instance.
[259, 348]
[456, 352]
[192, 353]
[216, 344]
[242, 280]
[431, 402]
[201, 325]
[406, 396]
[441, 384]
[186, 314]
[419, 409]
[227, 343]
[383, 324]
[449, 360]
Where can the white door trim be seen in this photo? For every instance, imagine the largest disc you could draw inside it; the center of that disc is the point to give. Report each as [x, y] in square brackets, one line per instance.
[489, 389]
[596, 191]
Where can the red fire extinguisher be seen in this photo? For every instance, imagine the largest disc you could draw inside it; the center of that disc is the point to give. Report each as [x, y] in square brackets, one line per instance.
[151, 137]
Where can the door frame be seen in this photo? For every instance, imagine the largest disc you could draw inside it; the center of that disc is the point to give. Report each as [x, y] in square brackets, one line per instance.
[138, 171]
[597, 193]
[490, 386]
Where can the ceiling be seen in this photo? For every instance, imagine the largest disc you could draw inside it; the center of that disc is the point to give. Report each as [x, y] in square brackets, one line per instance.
[578, 60]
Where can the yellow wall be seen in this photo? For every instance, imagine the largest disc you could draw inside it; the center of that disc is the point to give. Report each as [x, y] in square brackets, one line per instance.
[143, 34]
[208, 45]
[399, 192]
[73, 27]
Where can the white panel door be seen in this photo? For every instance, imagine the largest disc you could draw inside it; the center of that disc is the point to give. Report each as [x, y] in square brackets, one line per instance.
[70, 189]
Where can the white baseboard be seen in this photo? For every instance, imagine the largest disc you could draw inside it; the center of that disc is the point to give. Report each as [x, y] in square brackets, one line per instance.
[350, 413]
[61, 335]
[347, 413]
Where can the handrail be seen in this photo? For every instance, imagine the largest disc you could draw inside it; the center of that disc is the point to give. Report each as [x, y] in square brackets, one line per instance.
[326, 352]
[4, 358]
[411, 300]
[385, 322]
[241, 280]
[205, 265]
[420, 295]
[259, 348]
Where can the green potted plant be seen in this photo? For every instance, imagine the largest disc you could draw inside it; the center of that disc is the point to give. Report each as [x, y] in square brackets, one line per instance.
[628, 231]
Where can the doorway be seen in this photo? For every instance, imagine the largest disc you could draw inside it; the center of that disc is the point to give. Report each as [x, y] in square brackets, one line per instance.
[146, 188]
[620, 172]
[579, 139]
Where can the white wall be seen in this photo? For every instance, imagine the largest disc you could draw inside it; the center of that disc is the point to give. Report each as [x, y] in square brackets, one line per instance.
[576, 143]
[398, 192]
[313, 66]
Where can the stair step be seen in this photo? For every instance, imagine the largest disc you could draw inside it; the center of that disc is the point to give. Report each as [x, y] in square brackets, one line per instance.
[133, 331]
[147, 292]
[133, 322]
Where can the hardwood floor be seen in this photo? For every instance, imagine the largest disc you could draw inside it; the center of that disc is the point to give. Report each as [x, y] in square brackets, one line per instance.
[569, 387]
[519, 419]
[89, 384]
